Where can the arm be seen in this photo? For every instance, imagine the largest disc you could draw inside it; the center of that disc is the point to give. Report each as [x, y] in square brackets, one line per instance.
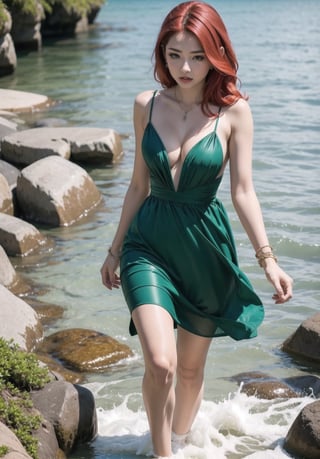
[244, 197]
[137, 192]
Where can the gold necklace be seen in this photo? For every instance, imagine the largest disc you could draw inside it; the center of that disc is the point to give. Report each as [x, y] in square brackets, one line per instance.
[185, 112]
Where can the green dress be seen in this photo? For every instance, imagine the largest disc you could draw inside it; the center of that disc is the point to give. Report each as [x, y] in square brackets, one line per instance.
[179, 251]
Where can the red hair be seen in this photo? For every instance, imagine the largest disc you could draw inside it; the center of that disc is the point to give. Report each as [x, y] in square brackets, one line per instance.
[205, 23]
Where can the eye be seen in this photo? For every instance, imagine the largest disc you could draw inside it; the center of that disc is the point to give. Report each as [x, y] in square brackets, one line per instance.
[174, 55]
[199, 57]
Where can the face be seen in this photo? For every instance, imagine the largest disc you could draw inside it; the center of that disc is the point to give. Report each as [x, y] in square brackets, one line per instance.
[186, 60]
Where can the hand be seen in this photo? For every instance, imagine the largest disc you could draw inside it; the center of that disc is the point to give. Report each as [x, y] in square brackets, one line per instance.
[110, 278]
[280, 280]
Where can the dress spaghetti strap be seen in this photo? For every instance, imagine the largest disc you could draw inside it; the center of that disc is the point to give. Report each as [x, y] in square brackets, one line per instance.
[152, 102]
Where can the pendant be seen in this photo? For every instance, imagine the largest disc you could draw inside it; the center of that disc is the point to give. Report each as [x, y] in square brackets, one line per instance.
[185, 116]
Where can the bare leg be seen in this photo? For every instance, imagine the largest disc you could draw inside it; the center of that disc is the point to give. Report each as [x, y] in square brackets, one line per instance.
[155, 329]
[192, 352]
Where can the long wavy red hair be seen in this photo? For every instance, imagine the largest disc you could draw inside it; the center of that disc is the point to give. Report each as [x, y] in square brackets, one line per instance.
[206, 24]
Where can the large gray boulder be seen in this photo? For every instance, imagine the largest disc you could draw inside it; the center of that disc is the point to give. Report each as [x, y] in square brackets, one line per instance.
[18, 237]
[56, 192]
[71, 410]
[18, 321]
[87, 145]
[303, 438]
[305, 341]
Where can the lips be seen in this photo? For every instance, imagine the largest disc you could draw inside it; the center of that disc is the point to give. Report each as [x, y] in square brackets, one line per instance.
[185, 79]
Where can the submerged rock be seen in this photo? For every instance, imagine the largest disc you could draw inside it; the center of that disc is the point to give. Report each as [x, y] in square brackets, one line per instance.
[85, 350]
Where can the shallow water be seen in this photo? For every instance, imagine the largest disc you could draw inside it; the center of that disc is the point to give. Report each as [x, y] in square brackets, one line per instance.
[95, 78]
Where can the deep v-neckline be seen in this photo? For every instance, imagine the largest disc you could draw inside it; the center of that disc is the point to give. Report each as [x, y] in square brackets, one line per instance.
[211, 133]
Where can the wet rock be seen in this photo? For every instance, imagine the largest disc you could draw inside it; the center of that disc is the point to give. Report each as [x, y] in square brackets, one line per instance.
[18, 321]
[264, 386]
[8, 438]
[269, 390]
[6, 199]
[56, 192]
[305, 341]
[71, 410]
[85, 350]
[307, 385]
[87, 145]
[47, 312]
[58, 370]
[19, 238]
[303, 438]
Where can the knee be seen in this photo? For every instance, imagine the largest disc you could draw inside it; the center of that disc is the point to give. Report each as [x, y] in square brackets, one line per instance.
[190, 375]
[161, 370]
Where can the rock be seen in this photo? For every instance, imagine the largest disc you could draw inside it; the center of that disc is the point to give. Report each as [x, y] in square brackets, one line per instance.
[85, 350]
[264, 386]
[58, 370]
[307, 385]
[8, 57]
[26, 27]
[48, 446]
[305, 341]
[8, 275]
[87, 145]
[8, 438]
[6, 198]
[26, 147]
[61, 21]
[20, 101]
[303, 438]
[56, 192]
[10, 172]
[47, 312]
[18, 237]
[71, 410]
[18, 321]
[6, 127]
[269, 390]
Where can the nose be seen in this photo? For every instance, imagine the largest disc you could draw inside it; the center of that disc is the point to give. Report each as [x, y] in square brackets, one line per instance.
[186, 66]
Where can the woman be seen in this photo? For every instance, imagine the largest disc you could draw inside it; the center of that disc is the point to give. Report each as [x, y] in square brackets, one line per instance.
[178, 261]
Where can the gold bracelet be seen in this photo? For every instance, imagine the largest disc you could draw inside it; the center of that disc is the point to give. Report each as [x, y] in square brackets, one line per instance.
[263, 247]
[262, 257]
[112, 254]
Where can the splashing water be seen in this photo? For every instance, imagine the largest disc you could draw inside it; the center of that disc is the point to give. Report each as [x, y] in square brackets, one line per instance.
[240, 426]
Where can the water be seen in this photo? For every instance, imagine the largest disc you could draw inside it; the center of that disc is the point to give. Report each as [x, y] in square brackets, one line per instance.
[95, 77]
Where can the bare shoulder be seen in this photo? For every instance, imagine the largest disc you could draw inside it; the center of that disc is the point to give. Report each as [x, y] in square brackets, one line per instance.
[240, 108]
[141, 105]
[143, 99]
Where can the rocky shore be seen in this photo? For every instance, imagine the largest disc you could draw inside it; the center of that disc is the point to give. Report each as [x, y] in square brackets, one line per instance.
[43, 181]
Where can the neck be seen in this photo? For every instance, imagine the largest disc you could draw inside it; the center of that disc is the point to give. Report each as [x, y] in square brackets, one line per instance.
[188, 97]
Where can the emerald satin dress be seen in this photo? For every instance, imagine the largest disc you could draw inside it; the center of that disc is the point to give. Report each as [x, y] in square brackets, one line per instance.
[179, 251]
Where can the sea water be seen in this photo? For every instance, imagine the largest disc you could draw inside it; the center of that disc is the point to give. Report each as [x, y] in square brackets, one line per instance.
[94, 77]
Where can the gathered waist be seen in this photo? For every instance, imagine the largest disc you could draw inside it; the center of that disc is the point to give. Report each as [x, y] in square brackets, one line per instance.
[195, 197]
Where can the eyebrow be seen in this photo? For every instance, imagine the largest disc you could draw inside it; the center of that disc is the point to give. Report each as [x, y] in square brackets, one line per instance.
[200, 51]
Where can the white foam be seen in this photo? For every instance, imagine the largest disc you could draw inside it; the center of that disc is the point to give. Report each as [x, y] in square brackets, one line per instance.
[238, 427]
